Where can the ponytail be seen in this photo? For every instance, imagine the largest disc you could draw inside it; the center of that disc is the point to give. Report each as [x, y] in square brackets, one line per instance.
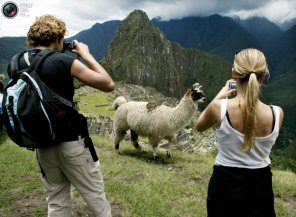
[249, 112]
[250, 66]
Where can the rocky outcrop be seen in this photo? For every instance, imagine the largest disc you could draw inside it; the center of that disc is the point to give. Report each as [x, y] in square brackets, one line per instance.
[102, 126]
[139, 93]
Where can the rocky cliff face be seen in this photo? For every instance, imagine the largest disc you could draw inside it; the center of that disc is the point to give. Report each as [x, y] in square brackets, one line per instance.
[140, 54]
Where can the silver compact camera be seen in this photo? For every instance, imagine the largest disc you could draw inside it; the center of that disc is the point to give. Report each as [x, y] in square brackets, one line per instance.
[232, 85]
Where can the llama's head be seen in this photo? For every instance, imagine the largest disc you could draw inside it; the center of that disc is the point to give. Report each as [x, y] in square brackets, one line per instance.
[197, 94]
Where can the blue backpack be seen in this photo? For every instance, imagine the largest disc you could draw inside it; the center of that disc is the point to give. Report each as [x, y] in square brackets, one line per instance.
[31, 110]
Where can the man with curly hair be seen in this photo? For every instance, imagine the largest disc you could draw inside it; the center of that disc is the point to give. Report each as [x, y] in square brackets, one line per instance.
[69, 162]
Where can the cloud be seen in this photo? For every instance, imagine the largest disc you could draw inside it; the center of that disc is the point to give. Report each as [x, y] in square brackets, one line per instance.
[180, 9]
[276, 11]
[82, 14]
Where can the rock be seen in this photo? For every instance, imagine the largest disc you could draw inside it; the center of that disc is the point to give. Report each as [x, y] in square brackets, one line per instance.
[102, 125]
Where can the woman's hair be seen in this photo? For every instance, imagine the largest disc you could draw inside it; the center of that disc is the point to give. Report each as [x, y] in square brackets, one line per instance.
[250, 66]
[45, 30]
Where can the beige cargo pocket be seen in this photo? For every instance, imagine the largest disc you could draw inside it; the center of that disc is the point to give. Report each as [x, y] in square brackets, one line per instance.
[75, 156]
[95, 172]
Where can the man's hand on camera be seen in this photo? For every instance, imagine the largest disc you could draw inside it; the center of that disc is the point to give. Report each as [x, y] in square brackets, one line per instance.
[81, 49]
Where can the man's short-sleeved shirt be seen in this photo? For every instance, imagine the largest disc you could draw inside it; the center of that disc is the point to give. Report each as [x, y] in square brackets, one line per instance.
[55, 72]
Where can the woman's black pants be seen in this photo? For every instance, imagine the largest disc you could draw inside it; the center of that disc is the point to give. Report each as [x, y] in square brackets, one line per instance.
[240, 192]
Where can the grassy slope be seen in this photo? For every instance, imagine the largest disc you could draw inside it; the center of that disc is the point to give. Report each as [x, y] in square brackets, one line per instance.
[95, 104]
[135, 185]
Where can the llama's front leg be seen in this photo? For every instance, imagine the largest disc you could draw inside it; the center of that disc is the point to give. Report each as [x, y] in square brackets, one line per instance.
[172, 141]
[134, 138]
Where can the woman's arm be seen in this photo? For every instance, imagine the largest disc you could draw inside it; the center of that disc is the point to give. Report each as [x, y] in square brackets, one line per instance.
[211, 115]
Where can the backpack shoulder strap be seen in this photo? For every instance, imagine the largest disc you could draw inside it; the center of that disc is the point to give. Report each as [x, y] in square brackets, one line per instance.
[39, 58]
[14, 64]
[35, 66]
[26, 57]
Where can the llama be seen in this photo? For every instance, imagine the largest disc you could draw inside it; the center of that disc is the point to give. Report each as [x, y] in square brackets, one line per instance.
[153, 120]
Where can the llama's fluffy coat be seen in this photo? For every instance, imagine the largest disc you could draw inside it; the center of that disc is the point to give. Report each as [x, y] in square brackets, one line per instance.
[160, 122]
[156, 122]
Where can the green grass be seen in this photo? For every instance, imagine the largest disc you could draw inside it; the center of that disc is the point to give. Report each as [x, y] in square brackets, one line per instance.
[165, 188]
[94, 104]
[18, 175]
[135, 184]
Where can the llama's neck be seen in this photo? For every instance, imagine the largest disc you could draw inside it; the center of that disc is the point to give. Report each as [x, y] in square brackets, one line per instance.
[183, 112]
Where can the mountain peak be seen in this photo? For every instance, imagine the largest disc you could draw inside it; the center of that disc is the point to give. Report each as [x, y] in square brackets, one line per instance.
[215, 16]
[258, 18]
[138, 15]
[140, 53]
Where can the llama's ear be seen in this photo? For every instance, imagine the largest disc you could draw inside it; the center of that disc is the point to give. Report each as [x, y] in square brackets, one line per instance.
[188, 92]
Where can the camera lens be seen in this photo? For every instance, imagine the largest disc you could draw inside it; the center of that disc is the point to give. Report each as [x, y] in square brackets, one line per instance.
[9, 9]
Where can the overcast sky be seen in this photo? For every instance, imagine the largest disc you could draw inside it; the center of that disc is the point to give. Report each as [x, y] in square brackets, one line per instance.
[82, 14]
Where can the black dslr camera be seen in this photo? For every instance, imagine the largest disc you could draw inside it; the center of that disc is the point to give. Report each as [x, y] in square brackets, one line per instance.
[68, 46]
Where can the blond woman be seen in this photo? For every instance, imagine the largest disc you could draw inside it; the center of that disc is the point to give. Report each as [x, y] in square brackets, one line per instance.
[246, 129]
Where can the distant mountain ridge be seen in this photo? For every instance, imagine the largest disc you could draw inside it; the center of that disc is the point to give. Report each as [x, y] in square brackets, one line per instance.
[284, 53]
[282, 88]
[9, 46]
[264, 31]
[140, 54]
[214, 34]
[98, 37]
[204, 33]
